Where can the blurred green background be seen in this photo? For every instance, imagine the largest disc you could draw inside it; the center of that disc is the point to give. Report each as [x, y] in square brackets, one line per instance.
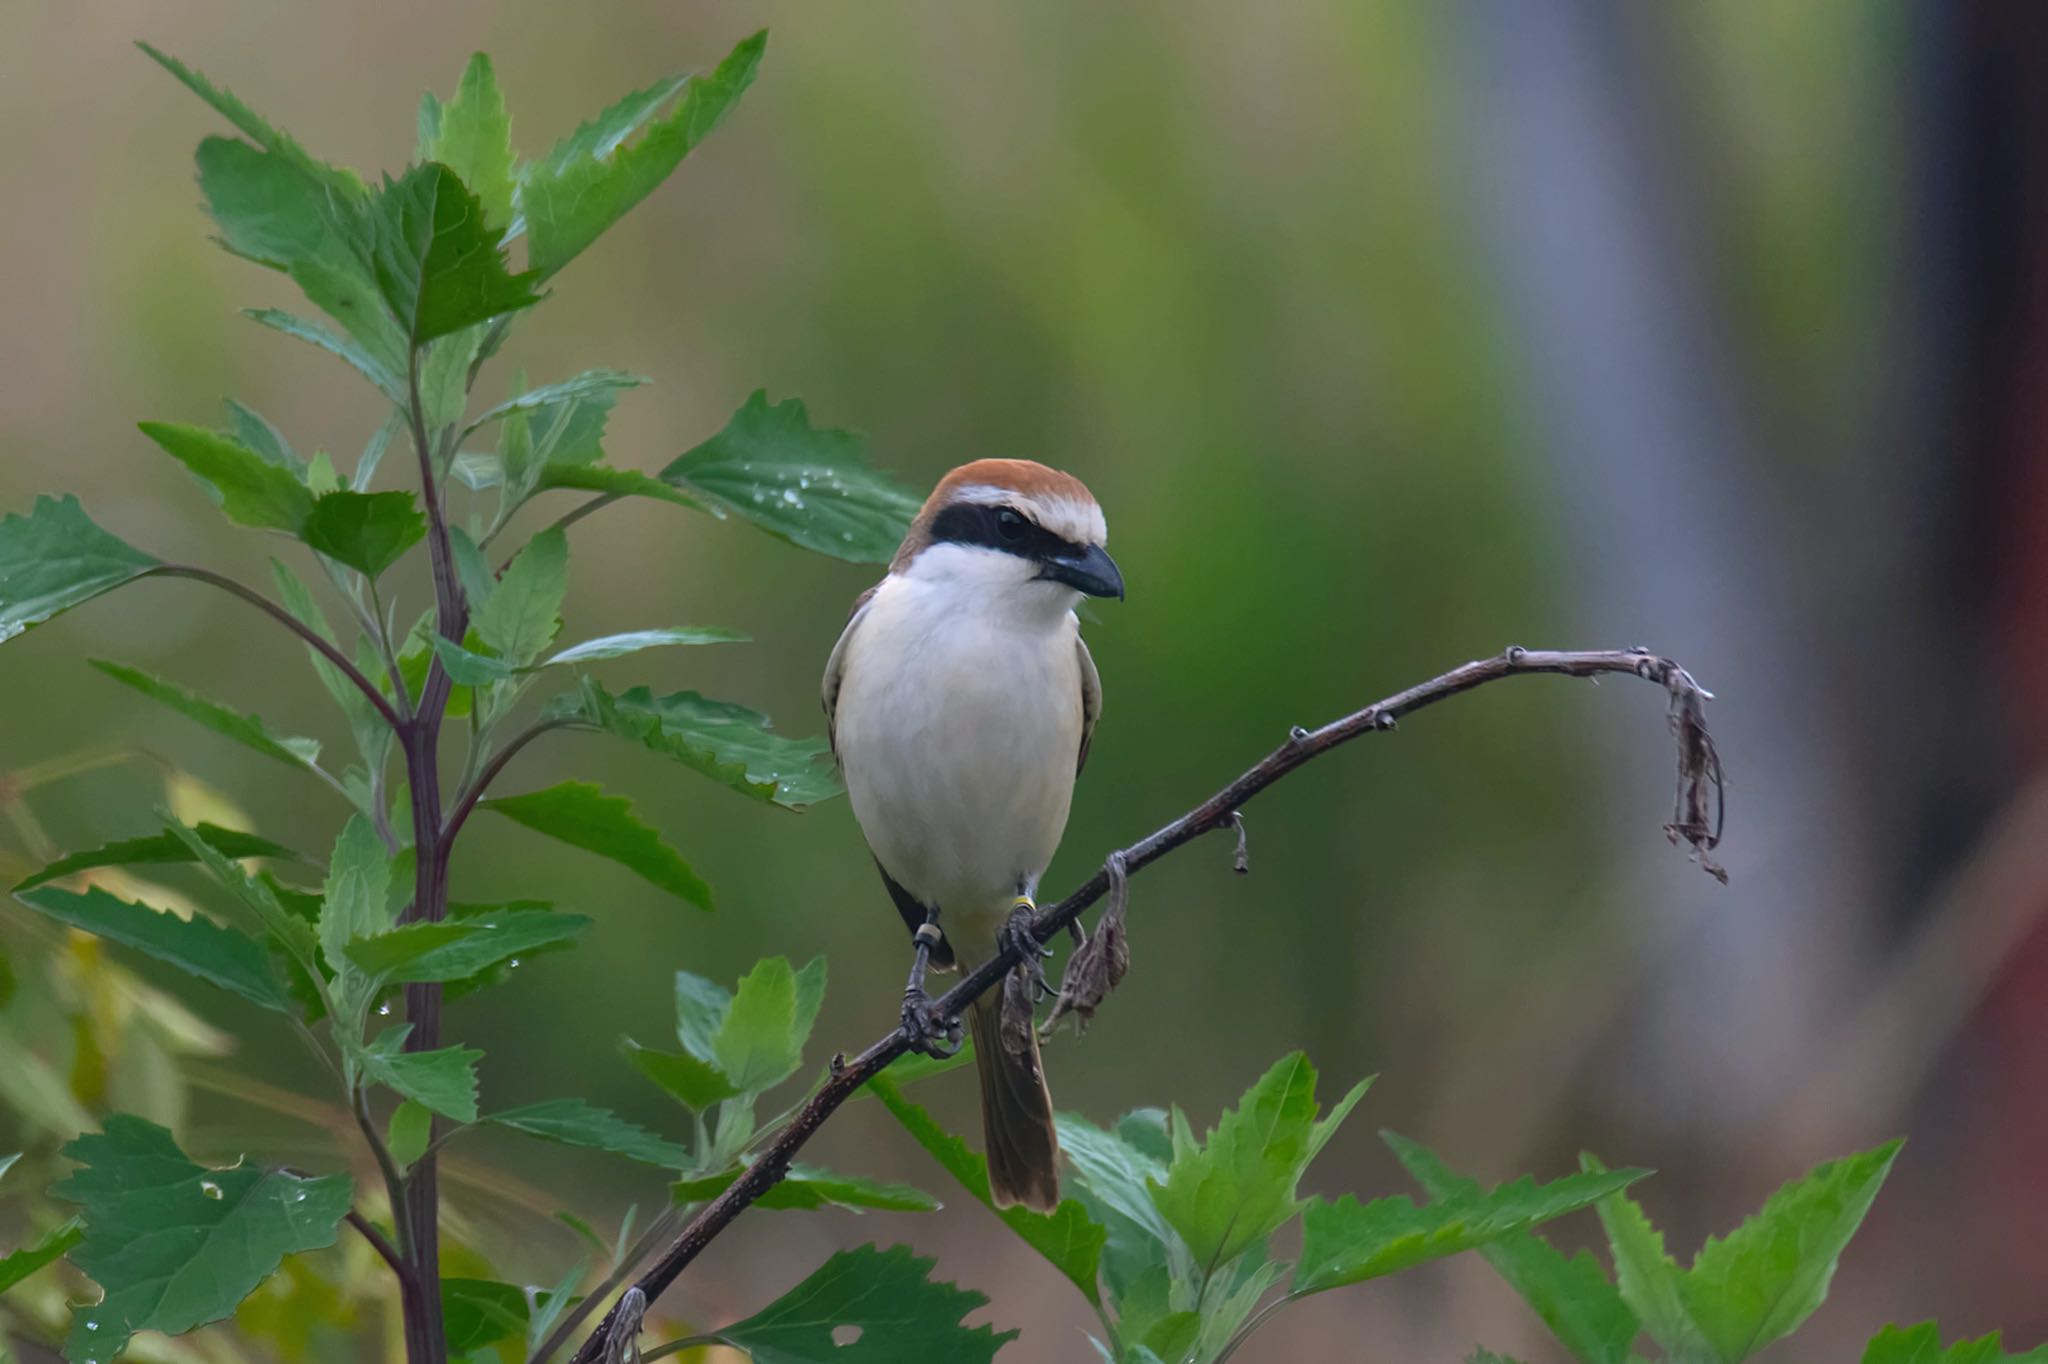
[1387, 335]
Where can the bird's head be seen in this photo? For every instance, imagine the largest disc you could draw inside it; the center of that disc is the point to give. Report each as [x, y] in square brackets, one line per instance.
[1016, 527]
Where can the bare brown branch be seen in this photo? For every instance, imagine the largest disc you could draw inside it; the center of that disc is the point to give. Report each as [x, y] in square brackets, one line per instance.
[1696, 821]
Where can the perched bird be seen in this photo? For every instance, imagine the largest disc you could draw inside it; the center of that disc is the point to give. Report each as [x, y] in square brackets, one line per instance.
[960, 700]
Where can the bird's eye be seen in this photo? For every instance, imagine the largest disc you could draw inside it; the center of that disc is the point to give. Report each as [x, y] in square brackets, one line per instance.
[1009, 524]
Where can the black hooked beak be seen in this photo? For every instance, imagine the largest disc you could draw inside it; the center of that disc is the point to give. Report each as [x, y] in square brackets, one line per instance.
[1091, 571]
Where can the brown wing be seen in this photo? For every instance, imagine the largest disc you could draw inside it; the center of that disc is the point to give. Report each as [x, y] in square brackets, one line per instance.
[1091, 702]
[835, 666]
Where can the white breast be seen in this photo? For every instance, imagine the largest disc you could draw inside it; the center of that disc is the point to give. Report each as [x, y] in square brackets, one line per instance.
[958, 726]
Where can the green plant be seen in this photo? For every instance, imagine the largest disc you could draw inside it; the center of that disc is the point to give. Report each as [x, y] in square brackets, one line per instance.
[1168, 1235]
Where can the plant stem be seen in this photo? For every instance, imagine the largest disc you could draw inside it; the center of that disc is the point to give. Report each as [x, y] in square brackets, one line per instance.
[426, 1339]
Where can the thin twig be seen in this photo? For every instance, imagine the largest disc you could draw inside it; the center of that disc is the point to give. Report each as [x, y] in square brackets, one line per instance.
[381, 1244]
[1699, 775]
[292, 623]
[466, 799]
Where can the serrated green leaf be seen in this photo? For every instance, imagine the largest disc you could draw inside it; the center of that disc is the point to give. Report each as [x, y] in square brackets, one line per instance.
[1763, 1279]
[725, 742]
[367, 531]
[576, 1123]
[268, 209]
[583, 816]
[174, 1244]
[1066, 1237]
[632, 642]
[583, 186]
[55, 558]
[293, 934]
[356, 900]
[1922, 1345]
[1572, 1296]
[442, 1080]
[249, 488]
[1111, 1184]
[760, 1042]
[1238, 1186]
[473, 137]
[560, 394]
[220, 956]
[701, 1007]
[479, 580]
[1348, 1242]
[523, 614]
[159, 849]
[437, 265]
[247, 730]
[694, 1083]
[810, 486]
[359, 357]
[808, 1189]
[457, 948]
[54, 1245]
[253, 126]
[410, 1132]
[886, 1295]
[600, 136]
[1647, 1277]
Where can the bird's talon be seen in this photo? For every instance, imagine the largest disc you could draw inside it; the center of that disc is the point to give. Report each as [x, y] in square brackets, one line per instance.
[927, 1033]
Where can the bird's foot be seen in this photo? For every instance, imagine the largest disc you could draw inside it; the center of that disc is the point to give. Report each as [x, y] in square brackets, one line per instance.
[929, 1034]
[1015, 936]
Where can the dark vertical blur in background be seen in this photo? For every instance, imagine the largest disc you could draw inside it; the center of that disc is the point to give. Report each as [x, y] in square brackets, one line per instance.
[1387, 335]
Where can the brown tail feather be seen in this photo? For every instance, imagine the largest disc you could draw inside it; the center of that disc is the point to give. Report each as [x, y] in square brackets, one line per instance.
[1016, 1115]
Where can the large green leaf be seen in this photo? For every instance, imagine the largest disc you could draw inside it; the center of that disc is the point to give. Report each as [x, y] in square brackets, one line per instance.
[438, 265]
[805, 1188]
[524, 612]
[812, 486]
[250, 489]
[888, 1297]
[576, 1123]
[632, 642]
[55, 558]
[1767, 1276]
[159, 849]
[1922, 1345]
[701, 1007]
[473, 138]
[583, 186]
[1572, 1296]
[456, 949]
[1649, 1280]
[268, 208]
[217, 955]
[760, 1042]
[583, 816]
[725, 742]
[1068, 1239]
[1349, 1242]
[367, 531]
[1112, 1179]
[174, 1244]
[443, 1080]
[246, 730]
[1237, 1186]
